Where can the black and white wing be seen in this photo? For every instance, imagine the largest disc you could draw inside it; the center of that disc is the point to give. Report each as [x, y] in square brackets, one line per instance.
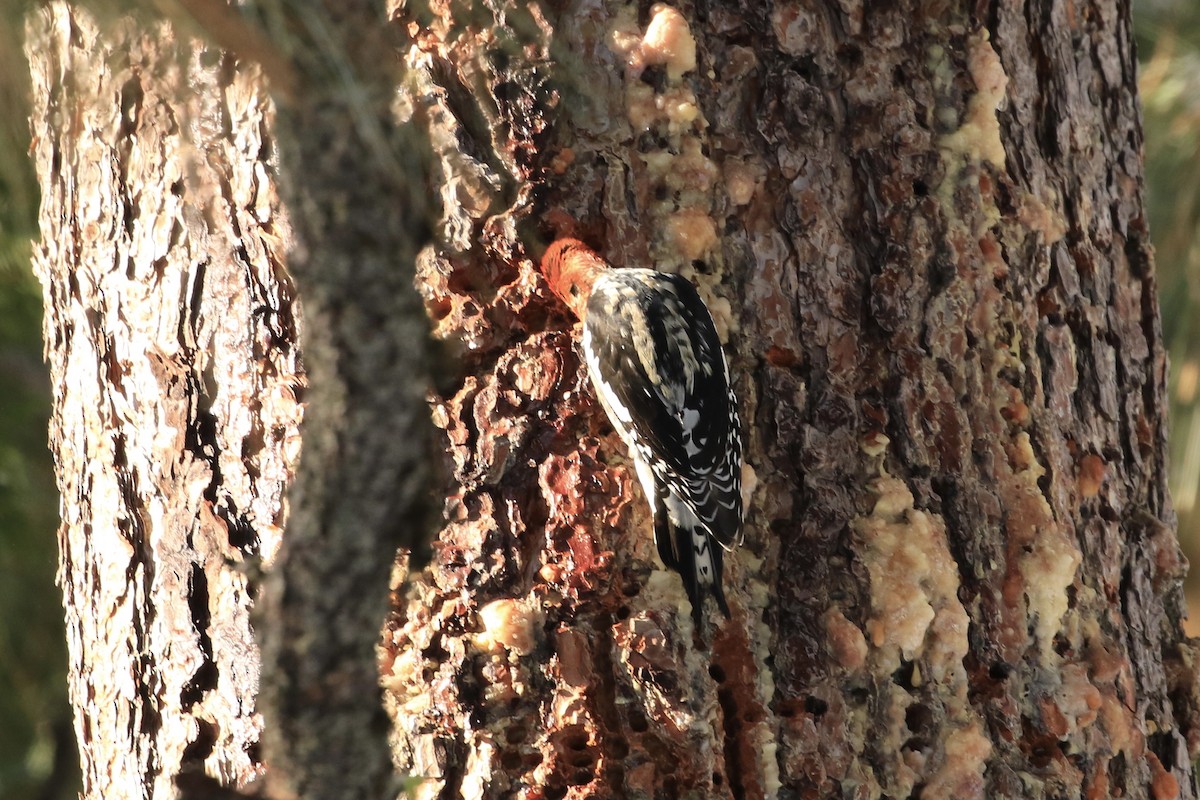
[657, 364]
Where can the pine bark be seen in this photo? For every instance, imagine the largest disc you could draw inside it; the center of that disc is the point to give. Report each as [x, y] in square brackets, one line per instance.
[354, 181]
[920, 230]
[921, 227]
[171, 336]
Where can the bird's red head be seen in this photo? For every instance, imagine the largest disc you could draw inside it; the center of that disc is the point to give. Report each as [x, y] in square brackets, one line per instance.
[571, 267]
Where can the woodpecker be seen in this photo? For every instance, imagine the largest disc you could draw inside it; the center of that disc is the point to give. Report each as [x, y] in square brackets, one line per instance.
[656, 363]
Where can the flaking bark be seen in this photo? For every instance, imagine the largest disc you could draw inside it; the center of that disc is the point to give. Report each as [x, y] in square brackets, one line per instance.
[354, 180]
[920, 230]
[172, 333]
[920, 226]
[171, 338]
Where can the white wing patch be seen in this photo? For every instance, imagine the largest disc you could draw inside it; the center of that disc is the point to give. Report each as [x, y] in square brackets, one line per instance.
[678, 364]
[620, 416]
[694, 446]
[621, 303]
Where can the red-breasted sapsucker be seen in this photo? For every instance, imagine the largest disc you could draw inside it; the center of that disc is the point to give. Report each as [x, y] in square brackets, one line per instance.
[656, 363]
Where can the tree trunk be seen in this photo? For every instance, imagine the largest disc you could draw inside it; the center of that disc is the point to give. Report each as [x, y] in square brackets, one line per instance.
[920, 232]
[921, 229]
[354, 181]
[172, 335]
[171, 338]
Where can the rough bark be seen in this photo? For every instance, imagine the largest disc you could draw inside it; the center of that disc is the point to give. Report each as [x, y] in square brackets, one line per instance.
[171, 340]
[354, 181]
[172, 333]
[920, 226]
[920, 230]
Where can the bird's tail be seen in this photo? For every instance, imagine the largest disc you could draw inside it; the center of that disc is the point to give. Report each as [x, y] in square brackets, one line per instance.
[686, 546]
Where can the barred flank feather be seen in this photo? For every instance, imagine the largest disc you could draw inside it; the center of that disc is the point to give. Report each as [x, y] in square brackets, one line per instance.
[656, 362]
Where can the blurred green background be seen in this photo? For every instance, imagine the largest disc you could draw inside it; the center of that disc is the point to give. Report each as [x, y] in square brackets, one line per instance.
[37, 756]
[1169, 45]
[38, 759]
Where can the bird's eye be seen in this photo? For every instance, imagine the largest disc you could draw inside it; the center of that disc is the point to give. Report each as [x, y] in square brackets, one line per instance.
[574, 290]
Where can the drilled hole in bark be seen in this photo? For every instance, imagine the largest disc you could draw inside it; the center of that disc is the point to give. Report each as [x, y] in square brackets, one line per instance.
[638, 722]
[1041, 756]
[815, 706]
[556, 792]
[804, 67]
[581, 777]
[716, 673]
[1040, 747]
[655, 76]
[439, 309]
[617, 747]
[941, 274]
[920, 188]
[464, 280]
[515, 734]
[576, 739]
[903, 676]
[919, 718]
[511, 761]
[623, 613]
[718, 779]
[1163, 746]
[1000, 671]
